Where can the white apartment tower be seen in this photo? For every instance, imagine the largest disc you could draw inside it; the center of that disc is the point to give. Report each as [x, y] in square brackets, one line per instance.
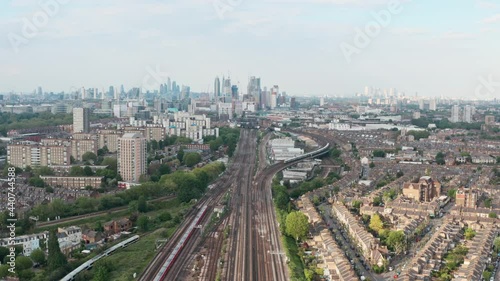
[132, 161]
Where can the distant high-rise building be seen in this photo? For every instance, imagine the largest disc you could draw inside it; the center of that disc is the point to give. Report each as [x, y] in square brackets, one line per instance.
[489, 119]
[234, 92]
[321, 101]
[455, 114]
[40, 91]
[81, 121]
[468, 112]
[217, 88]
[132, 161]
[432, 105]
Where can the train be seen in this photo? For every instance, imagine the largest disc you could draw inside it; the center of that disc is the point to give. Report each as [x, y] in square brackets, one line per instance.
[169, 262]
[303, 156]
[88, 264]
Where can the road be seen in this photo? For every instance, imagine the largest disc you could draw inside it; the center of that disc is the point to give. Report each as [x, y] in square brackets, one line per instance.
[341, 237]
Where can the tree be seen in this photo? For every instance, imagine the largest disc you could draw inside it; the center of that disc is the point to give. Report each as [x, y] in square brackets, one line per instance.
[3, 253]
[376, 223]
[469, 233]
[297, 225]
[76, 171]
[377, 201]
[496, 244]
[452, 193]
[38, 256]
[56, 259]
[89, 156]
[396, 241]
[372, 165]
[487, 202]
[23, 263]
[379, 153]
[142, 205]
[143, 223]
[190, 159]
[101, 274]
[36, 181]
[87, 171]
[45, 171]
[180, 154]
[4, 270]
[492, 215]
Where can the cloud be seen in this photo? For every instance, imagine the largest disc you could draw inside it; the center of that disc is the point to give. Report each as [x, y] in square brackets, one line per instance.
[492, 19]
[457, 36]
[409, 31]
[485, 4]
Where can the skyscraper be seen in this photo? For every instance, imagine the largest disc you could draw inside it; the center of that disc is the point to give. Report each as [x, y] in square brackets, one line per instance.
[81, 121]
[217, 88]
[132, 162]
[254, 89]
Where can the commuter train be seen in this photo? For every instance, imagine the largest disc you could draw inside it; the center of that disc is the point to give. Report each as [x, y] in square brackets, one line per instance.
[180, 245]
[303, 156]
[88, 264]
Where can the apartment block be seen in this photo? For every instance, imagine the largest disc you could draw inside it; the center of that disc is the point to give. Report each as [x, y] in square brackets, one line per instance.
[425, 190]
[132, 162]
[73, 182]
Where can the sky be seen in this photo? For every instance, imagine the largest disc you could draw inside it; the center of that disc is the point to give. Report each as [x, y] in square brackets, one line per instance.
[307, 47]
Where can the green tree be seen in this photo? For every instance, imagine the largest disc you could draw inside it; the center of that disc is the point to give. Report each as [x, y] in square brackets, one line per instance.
[469, 233]
[191, 158]
[89, 156]
[180, 154]
[396, 241]
[101, 274]
[23, 263]
[3, 253]
[56, 258]
[36, 181]
[143, 223]
[45, 171]
[372, 165]
[142, 205]
[297, 225]
[38, 256]
[87, 171]
[496, 244]
[4, 270]
[452, 193]
[76, 171]
[376, 223]
[379, 153]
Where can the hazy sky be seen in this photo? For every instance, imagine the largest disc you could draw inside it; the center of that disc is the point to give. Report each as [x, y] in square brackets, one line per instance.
[427, 46]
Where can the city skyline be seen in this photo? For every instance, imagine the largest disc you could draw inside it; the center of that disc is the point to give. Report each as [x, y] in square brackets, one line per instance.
[301, 47]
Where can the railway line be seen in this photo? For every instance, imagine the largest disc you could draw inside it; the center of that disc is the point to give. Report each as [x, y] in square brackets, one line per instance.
[255, 246]
[179, 266]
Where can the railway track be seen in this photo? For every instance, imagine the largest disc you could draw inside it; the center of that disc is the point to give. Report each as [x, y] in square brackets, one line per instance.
[211, 199]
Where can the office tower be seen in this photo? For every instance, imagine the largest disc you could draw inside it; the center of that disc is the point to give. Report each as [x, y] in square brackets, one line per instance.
[122, 90]
[227, 87]
[111, 91]
[455, 114]
[81, 121]
[40, 92]
[217, 88]
[83, 93]
[321, 101]
[234, 92]
[254, 89]
[169, 85]
[132, 162]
